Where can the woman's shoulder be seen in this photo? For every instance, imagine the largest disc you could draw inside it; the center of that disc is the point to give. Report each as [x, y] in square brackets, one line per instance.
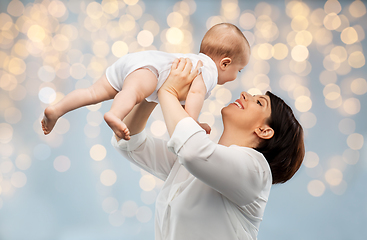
[259, 160]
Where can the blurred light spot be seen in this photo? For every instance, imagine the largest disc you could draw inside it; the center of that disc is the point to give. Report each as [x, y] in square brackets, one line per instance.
[347, 126]
[116, 218]
[108, 177]
[16, 66]
[329, 64]
[288, 82]
[331, 91]
[332, 21]
[223, 95]
[264, 51]
[175, 19]
[326, 77]
[148, 197]
[303, 38]
[303, 103]
[356, 59]
[359, 86]
[311, 159]
[262, 67]
[351, 156]
[360, 31]
[250, 37]
[279, 51]
[308, 120]
[110, 205]
[23, 161]
[332, 6]
[334, 176]
[152, 26]
[18, 179]
[352, 106]
[174, 36]
[207, 117]
[316, 188]
[98, 152]
[340, 188]
[36, 33]
[323, 36]
[301, 91]
[247, 21]
[355, 141]
[129, 208]
[41, 151]
[15, 8]
[295, 8]
[349, 35]
[158, 128]
[357, 9]
[62, 126]
[144, 214]
[46, 73]
[94, 10]
[6, 166]
[6, 132]
[135, 10]
[334, 103]
[92, 131]
[57, 9]
[101, 49]
[127, 22]
[78, 71]
[62, 163]
[147, 182]
[254, 91]
[261, 81]
[94, 118]
[317, 17]
[145, 38]
[299, 53]
[60, 42]
[299, 23]
[12, 115]
[338, 54]
[94, 107]
[47, 95]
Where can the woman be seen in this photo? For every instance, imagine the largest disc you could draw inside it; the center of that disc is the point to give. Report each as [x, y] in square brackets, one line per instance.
[214, 191]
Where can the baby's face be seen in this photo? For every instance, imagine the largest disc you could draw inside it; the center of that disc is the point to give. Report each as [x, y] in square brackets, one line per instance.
[230, 73]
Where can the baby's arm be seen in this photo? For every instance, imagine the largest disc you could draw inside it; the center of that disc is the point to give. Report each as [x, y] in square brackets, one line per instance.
[195, 97]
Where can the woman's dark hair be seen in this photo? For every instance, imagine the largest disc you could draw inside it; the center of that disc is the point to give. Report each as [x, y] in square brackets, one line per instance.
[285, 150]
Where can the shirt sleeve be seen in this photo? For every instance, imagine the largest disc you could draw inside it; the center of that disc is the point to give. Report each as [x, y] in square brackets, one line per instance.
[236, 172]
[148, 153]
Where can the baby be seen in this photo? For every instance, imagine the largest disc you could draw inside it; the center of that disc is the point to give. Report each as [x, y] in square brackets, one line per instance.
[224, 51]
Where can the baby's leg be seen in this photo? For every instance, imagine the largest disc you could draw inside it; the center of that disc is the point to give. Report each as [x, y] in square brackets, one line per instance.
[100, 91]
[137, 86]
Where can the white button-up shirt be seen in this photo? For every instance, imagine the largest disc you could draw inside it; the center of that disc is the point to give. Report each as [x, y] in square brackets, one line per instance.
[210, 191]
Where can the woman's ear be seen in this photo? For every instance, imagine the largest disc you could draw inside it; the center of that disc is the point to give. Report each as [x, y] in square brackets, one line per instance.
[225, 62]
[264, 133]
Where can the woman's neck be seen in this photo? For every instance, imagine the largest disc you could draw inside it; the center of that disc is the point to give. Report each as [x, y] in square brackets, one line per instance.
[243, 139]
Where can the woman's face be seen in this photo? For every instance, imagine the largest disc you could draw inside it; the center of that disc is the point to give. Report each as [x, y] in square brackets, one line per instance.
[248, 112]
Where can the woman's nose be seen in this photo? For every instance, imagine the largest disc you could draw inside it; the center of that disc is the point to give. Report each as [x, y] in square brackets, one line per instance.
[246, 96]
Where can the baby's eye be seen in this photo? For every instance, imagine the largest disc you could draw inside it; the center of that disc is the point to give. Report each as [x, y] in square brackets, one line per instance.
[258, 102]
[239, 71]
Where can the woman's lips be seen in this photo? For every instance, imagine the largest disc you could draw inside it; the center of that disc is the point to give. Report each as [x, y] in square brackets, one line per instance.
[239, 104]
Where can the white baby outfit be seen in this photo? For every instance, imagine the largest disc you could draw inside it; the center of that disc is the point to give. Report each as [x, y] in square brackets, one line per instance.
[160, 64]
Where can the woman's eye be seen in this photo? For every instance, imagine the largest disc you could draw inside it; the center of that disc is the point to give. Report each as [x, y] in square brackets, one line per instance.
[258, 102]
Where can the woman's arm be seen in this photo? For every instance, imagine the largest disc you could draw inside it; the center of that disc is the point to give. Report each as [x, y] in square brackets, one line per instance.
[176, 88]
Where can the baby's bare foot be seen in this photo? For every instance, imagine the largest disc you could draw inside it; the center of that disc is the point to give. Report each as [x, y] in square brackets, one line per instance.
[49, 120]
[119, 128]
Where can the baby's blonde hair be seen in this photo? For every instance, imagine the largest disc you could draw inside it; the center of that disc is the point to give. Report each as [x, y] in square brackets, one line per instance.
[225, 40]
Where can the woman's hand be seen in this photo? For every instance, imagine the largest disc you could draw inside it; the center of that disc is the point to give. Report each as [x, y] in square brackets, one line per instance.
[180, 78]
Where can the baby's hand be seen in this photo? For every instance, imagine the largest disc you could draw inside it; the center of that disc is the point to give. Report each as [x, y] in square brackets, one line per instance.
[206, 127]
